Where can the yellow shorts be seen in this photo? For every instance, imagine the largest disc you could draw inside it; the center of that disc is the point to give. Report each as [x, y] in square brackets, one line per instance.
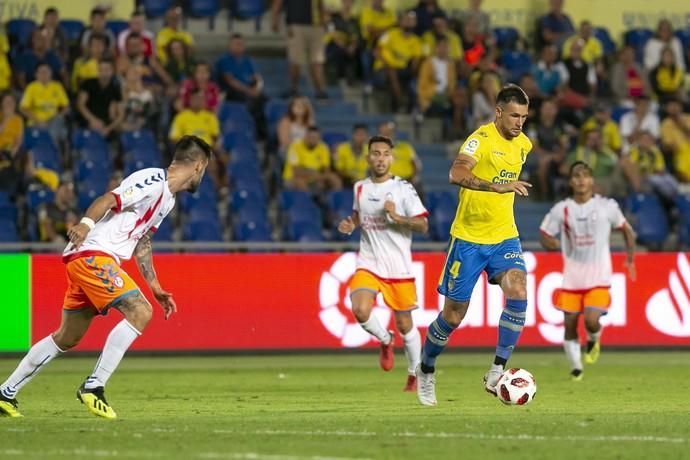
[399, 295]
[598, 298]
[95, 280]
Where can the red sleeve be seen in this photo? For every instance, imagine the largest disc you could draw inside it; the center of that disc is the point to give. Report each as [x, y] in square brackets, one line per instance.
[118, 206]
[424, 214]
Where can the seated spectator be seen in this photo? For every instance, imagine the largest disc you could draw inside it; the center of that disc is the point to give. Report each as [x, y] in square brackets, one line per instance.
[486, 65]
[99, 101]
[675, 138]
[475, 46]
[454, 45]
[343, 43]
[651, 167]
[171, 31]
[241, 82]
[374, 21]
[592, 49]
[642, 118]
[474, 13]
[579, 78]
[531, 89]
[39, 53]
[139, 103]
[663, 38]
[56, 35]
[150, 69]
[554, 27]
[398, 53]
[437, 81]
[484, 101]
[56, 218]
[180, 65]
[426, 11]
[5, 69]
[308, 165]
[406, 164]
[549, 141]
[137, 25]
[293, 125]
[45, 104]
[628, 78]
[351, 157]
[200, 81]
[198, 121]
[603, 161]
[86, 67]
[11, 138]
[667, 78]
[97, 25]
[602, 121]
[546, 71]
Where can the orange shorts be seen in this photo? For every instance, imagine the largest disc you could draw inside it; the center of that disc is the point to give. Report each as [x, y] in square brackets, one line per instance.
[400, 295]
[95, 280]
[576, 301]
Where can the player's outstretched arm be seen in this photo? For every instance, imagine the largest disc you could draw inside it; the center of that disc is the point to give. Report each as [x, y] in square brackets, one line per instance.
[418, 224]
[143, 254]
[630, 237]
[96, 211]
[461, 174]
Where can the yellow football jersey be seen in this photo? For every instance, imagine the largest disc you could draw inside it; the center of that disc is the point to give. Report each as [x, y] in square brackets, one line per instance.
[487, 217]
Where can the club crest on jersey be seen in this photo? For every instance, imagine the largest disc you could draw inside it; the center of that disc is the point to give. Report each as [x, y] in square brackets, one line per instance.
[471, 146]
[523, 154]
[118, 282]
[129, 192]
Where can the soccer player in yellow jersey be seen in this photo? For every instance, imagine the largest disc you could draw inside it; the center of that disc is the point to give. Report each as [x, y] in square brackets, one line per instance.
[484, 237]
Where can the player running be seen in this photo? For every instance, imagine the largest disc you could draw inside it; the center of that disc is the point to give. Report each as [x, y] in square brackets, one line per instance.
[584, 222]
[116, 225]
[484, 237]
[388, 210]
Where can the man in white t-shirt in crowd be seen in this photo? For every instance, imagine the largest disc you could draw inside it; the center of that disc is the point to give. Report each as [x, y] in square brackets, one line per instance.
[634, 123]
[584, 223]
[387, 209]
[116, 226]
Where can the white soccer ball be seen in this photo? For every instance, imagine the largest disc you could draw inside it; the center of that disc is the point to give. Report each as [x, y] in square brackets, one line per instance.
[516, 387]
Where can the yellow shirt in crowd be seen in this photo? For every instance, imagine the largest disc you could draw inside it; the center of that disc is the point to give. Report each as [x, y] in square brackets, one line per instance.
[165, 36]
[404, 158]
[44, 101]
[455, 51]
[350, 165]
[397, 49]
[590, 52]
[486, 217]
[203, 124]
[378, 19]
[84, 69]
[609, 132]
[301, 156]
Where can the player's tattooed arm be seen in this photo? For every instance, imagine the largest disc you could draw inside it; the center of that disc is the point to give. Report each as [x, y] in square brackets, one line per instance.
[144, 256]
[461, 174]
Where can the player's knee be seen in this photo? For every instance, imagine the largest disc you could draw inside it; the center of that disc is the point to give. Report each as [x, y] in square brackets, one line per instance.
[592, 323]
[361, 313]
[140, 317]
[65, 341]
[454, 312]
[403, 324]
[518, 292]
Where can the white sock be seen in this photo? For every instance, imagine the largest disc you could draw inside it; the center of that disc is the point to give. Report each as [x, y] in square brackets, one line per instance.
[413, 349]
[373, 327]
[573, 352]
[38, 356]
[594, 336]
[119, 340]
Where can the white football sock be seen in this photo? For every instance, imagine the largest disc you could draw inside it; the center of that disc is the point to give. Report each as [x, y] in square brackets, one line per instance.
[573, 352]
[373, 327]
[119, 340]
[38, 356]
[413, 349]
[594, 336]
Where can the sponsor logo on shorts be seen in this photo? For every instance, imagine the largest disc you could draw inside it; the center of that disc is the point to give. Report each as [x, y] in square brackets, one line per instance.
[118, 282]
[513, 255]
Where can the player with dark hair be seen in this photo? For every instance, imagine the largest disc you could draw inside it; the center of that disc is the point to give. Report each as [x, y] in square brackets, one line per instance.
[387, 209]
[484, 237]
[584, 222]
[116, 226]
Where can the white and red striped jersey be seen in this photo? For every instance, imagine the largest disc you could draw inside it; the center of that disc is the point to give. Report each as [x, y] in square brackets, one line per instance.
[385, 247]
[143, 201]
[585, 230]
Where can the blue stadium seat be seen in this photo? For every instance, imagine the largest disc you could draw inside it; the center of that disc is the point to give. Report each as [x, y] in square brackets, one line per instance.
[528, 218]
[165, 231]
[335, 109]
[517, 63]
[84, 138]
[245, 170]
[304, 231]
[239, 139]
[242, 199]
[683, 205]
[197, 200]
[247, 9]
[340, 200]
[649, 218]
[332, 139]
[156, 8]
[684, 37]
[73, 28]
[19, 31]
[90, 189]
[4, 198]
[637, 38]
[8, 212]
[205, 9]
[289, 198]
[146, 155]
[249, 185]
[38, 196]
[116, 26]
[46, 157]
[138, 139]
[446, 198]
[602, 33]
[506, 37]
[203, 231]
[205, 213]
[37, 137]
[133, 165]
[8, 231]
[441, 219]
[253, 231]
[274, 110]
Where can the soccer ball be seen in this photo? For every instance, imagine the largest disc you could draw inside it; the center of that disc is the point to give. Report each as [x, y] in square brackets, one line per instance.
[516, 387]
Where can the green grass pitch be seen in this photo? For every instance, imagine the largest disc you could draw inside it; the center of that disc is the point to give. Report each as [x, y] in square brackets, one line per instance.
[630, 405]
